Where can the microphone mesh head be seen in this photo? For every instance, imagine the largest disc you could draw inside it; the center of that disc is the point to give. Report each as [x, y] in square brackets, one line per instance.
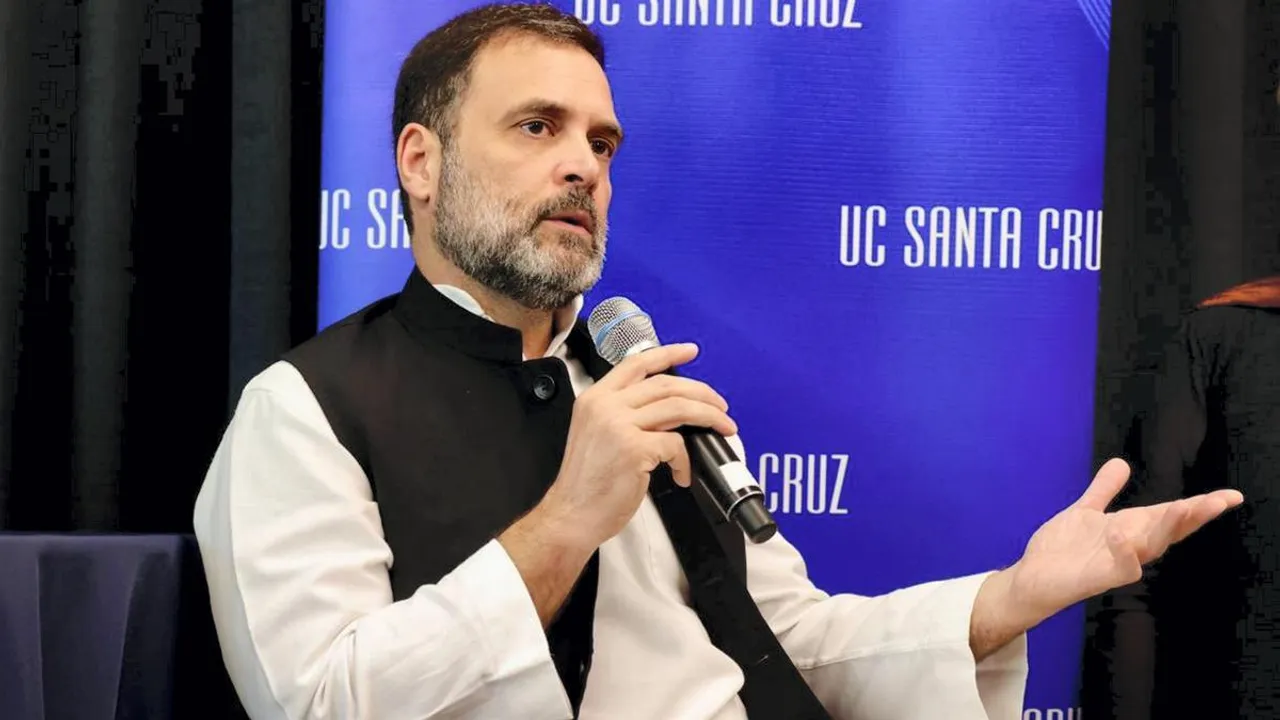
[619, 327]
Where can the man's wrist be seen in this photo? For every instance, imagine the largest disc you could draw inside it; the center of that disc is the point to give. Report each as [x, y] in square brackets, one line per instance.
[1002, 611]
[561, 525]
[549, 554]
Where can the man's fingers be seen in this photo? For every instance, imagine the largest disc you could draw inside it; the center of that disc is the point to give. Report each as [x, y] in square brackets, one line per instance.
[671, 413]
[661, 387]
[1106, 485]
[650, 362]
[1165, 531]
[1128, 563]
[1203, 509]
[671, 450]
[1176, 520]
[1228, 498]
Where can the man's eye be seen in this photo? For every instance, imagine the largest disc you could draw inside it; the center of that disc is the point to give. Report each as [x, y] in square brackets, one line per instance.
[535, 127]
[602, 147]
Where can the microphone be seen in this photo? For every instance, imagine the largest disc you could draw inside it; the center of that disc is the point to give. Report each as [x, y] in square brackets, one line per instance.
[619, 329]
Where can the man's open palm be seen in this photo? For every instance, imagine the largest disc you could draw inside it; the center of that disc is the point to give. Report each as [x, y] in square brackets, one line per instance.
[1084, 550]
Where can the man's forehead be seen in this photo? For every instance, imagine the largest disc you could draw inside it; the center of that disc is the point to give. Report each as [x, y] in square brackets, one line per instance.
[509, 71]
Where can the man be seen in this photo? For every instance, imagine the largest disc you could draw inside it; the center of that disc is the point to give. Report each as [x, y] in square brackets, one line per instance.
[447, 506]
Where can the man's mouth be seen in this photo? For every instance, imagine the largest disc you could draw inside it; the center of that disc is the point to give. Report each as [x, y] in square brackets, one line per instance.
[577, 218]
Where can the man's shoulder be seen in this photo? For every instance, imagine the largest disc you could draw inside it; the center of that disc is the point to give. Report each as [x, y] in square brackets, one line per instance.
[298, 376]
[354, 352]
[277, 394]
[279, 380]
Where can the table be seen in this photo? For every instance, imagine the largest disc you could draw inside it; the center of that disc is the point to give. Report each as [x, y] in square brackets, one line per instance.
[102, 627]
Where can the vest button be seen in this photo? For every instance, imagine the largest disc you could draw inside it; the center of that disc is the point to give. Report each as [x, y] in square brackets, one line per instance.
[544, 387]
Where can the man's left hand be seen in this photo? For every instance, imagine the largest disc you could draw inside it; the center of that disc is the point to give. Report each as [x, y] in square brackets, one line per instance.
[1084, 550]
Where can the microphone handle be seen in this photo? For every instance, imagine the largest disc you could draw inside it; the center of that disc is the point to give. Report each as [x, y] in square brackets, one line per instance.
[729, 483]
[727, 479]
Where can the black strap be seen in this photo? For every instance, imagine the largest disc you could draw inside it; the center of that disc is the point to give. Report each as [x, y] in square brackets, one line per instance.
[773, 687]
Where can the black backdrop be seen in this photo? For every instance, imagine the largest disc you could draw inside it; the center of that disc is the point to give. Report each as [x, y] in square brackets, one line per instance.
[159, 175]
[1192, 200]
[1192, 185]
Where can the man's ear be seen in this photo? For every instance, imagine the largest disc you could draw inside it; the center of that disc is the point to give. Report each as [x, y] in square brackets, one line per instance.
[418, 155]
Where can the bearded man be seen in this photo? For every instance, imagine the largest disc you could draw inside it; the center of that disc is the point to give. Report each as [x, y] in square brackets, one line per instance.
[448, 505]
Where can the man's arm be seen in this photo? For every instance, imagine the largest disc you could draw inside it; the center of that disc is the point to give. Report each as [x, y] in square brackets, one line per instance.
[1163, 448]
[999, 617]
[900, 656]
[298, 577]
[549, 556]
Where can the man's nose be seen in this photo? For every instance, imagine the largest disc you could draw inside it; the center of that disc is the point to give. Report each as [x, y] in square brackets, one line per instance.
[580, 165]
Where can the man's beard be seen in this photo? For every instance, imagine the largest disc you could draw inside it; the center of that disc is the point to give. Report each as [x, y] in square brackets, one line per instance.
[494, 239]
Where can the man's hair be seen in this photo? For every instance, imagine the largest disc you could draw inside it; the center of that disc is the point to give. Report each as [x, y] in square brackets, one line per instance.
[435, 74]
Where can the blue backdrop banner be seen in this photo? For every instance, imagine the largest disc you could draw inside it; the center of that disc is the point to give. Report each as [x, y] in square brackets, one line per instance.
[881, 220]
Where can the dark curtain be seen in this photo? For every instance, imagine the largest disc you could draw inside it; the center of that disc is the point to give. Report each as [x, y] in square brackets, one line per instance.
[159, 215]
[1192, 203]
[1192, 179]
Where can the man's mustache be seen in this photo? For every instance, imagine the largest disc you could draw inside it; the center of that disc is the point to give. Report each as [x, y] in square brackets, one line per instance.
[575, 199]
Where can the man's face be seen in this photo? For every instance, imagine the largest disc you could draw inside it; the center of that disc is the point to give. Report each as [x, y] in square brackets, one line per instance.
[524, 181]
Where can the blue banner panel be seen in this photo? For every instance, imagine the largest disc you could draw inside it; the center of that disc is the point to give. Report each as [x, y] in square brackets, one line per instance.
[882, 222]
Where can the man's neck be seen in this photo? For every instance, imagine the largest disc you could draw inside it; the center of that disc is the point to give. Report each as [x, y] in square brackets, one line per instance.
[536, 326]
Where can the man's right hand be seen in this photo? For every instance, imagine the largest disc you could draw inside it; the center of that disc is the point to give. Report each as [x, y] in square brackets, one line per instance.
[622, 428]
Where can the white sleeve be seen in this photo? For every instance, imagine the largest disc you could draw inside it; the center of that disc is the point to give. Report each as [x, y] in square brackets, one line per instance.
[900, 656]
[297, 568]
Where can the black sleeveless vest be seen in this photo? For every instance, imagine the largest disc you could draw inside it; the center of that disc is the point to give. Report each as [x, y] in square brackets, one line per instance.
[459, 437]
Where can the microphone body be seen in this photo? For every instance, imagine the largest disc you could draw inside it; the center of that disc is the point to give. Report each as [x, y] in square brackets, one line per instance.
[729, 482]
[620, 329]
